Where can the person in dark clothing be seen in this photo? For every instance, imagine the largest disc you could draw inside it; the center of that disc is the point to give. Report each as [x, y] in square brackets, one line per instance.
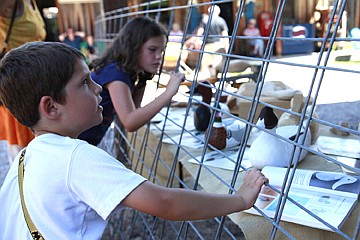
[72, 38]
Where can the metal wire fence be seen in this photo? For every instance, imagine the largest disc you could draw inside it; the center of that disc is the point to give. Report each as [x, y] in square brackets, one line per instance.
[161, 150]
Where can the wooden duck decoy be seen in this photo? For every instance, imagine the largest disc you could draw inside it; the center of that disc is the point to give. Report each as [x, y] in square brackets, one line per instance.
[202, 113]
[269, 150]
[217, 132]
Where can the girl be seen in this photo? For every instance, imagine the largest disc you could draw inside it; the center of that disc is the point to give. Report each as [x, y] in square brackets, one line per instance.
[133, 58]
[257, 44]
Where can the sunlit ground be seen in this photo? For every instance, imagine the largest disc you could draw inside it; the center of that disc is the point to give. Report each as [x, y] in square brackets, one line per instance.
[335, 85]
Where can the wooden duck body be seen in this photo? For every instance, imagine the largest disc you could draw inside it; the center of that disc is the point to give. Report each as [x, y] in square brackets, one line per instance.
[202, 116]
[202, 113]
[217, 137]
[270, 150]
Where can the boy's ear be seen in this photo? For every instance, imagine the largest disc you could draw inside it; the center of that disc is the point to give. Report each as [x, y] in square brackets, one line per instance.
[48, 107]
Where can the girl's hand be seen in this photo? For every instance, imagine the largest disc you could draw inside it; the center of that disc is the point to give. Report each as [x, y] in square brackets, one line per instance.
[174, 82]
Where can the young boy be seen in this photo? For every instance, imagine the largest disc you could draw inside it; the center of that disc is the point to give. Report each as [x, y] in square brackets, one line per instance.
[70, 187]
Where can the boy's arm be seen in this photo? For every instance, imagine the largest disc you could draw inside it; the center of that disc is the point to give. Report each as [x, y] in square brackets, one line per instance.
[180, 204]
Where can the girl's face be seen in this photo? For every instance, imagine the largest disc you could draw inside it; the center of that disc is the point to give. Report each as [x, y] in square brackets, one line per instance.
[151, 53]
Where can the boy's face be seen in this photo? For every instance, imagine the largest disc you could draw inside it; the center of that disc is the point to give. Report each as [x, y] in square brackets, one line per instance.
[82, 109]
[151, 53]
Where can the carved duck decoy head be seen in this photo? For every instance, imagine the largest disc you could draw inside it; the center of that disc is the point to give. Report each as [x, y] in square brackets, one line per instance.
[202, 113]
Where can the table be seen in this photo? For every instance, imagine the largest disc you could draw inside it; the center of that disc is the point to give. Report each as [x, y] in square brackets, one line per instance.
[253, 227]
[247, 222]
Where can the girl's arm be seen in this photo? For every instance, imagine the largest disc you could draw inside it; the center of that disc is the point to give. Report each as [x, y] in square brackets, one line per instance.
[137, 95]
[180, 204]
[133, 118]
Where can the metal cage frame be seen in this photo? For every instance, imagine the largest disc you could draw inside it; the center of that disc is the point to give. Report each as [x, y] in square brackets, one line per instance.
[133, 148]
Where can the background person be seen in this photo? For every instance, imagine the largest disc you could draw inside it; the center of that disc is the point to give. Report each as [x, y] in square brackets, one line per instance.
[217, 37]
[28, 26]
[72, 38]
[89, 49]
[257, 44]
[176, 34]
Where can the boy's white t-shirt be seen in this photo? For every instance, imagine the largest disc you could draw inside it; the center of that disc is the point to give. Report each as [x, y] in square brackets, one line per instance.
[70, 190]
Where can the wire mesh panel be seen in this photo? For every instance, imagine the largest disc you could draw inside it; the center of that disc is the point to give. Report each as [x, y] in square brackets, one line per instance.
[307, 74]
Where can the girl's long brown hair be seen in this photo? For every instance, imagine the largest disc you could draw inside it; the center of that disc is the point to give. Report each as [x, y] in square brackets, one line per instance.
[125, 48]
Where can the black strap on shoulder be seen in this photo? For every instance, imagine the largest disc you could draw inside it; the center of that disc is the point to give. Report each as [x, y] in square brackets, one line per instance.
[10, 27]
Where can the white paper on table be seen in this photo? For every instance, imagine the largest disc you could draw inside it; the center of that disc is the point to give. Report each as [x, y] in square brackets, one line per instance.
[175, 121]
[188, 139]
[339, 146]
[351, 162]
[215, 159]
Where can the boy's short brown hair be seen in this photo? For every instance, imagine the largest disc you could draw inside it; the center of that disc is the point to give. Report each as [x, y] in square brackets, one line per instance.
[34, 70]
